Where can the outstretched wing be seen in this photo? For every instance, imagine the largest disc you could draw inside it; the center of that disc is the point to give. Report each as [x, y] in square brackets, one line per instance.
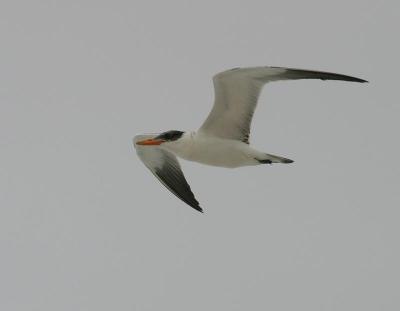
[236, 95]
[165, 166]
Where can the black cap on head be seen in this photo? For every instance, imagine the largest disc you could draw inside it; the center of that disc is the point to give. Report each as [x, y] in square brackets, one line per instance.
[170, 135]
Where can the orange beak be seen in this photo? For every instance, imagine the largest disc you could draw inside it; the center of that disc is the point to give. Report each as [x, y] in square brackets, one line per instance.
[150, 142]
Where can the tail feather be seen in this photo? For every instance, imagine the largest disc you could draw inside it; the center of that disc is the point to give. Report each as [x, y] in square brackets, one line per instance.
[270, 158]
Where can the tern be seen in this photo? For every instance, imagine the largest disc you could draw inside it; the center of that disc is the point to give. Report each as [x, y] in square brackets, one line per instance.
[223, 139]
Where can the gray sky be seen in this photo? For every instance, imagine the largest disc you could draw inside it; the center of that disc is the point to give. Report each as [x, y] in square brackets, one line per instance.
[85, 226]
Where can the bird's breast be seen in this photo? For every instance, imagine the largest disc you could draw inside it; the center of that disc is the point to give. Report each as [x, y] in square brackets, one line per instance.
[217, 152]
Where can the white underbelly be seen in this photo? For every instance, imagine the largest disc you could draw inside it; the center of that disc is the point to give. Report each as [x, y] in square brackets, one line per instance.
[219, 152]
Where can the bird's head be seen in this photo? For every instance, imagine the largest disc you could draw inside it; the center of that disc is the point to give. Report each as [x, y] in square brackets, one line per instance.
[165, 137]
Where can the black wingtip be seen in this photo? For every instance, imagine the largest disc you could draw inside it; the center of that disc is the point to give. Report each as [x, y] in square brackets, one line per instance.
[334, 76]
[293, 73]
[358, 80]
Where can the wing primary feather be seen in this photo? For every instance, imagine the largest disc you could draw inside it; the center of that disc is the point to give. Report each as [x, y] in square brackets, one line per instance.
[165, 167]
[178, 186]
[291, 73]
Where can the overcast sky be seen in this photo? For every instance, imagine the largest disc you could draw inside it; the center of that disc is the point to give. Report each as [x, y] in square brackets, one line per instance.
[85, 226]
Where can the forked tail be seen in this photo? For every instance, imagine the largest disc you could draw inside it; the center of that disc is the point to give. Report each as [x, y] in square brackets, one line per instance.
[270, 158]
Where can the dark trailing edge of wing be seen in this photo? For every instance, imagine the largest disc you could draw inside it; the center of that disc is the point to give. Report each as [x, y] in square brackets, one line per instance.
[175, 181]
[292, 73]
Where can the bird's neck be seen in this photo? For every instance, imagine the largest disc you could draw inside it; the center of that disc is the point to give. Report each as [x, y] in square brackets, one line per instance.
[183, 146]
[187, 139]
[189, 135]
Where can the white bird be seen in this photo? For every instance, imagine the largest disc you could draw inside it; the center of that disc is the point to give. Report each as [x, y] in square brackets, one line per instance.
[223, 139]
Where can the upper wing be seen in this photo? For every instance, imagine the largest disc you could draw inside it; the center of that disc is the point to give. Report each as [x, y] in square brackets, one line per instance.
[165, 166]
[236, 95]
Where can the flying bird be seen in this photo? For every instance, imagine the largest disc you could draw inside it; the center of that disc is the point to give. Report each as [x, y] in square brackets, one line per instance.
[223, 139]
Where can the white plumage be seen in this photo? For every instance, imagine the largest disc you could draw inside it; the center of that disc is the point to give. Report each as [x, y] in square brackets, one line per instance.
[223, 139]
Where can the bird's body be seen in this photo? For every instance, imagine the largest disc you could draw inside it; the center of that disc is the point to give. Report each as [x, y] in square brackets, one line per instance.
[210, 150]
[223, 139]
